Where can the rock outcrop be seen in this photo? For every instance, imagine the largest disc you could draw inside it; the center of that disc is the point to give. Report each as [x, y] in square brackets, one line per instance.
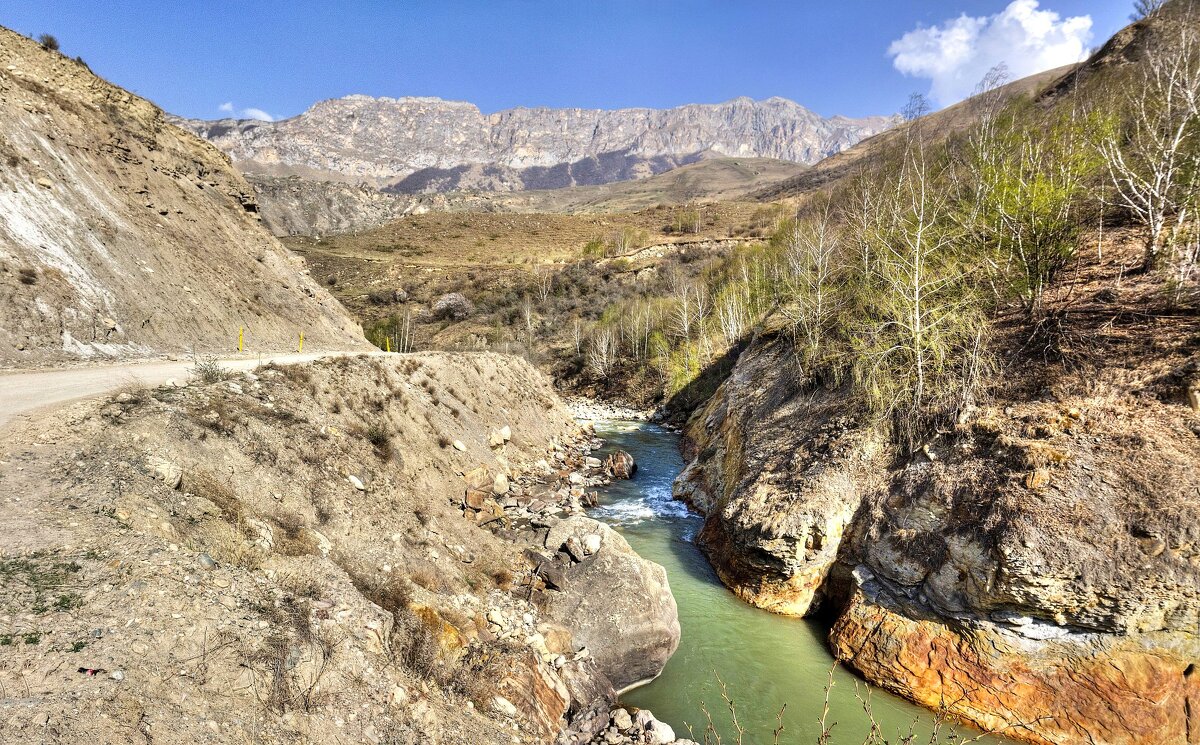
[415, 145]
[1035, 571]
[123, 236]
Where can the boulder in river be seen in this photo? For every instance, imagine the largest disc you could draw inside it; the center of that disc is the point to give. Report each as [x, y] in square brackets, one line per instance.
[620, 465]
[618, 604]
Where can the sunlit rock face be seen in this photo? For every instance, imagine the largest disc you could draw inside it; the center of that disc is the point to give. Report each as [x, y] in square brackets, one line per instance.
[1035, 571]
[415, 145]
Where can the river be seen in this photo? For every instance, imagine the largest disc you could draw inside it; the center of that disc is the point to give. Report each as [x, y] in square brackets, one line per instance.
[764, 660]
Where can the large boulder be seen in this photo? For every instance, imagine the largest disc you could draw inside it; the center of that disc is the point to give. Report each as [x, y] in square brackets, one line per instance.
[618, 604]
[452, 306]
[620, 465]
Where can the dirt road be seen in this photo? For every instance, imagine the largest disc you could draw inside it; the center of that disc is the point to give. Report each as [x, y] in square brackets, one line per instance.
[30, 393]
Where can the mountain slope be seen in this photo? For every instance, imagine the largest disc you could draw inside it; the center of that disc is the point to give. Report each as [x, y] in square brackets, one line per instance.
[948, 121]
[123, 236]
[426, 144]
[296, 206]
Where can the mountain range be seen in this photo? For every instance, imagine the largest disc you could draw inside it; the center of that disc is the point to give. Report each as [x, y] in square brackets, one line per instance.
[423, 145]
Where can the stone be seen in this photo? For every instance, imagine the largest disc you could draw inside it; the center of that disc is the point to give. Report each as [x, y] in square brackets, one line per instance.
[206, 562]
[591, 544]
[357, 483]
[500, 484]
[495, 439]
[554, 577]
[620, 465]
[503, 706]
[117, 675]
[574, 548]
[398, 696]
[166, 471]
[591, 462]
[622, 720]
[617, 604]
[506, 433]
[459, 446]
[475, 498]
[659, 733]
[322, 543]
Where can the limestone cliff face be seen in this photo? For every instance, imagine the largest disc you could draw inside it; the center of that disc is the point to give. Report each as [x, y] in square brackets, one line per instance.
[779, 476]
[427, 144]
[122, 236]
[1037, 573]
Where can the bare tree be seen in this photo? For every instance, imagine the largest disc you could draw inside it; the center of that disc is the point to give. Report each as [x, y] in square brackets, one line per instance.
[1145, 8]
[545, 284]
[1153, 157]
[602, 352]
[916, 335]
[811, 249]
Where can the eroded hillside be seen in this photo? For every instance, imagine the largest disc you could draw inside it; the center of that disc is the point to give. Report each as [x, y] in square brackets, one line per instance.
[123, 236]
[380, 549]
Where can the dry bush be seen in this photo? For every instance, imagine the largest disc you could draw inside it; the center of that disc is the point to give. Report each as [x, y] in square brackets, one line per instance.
[292, 537]
[280, 684]
[208, 369]
[225, 540]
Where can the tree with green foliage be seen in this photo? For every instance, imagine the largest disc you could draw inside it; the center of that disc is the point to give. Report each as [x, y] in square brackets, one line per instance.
[1027, 184]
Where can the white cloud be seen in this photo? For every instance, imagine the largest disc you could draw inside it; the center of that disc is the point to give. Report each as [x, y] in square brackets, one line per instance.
[258, 114]
[251, 113]
[956, 54]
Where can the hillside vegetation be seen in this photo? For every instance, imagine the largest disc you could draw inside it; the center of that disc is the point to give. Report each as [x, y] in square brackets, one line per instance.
[893, 269]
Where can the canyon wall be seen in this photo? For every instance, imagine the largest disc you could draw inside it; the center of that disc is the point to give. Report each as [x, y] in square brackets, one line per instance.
[379, 549]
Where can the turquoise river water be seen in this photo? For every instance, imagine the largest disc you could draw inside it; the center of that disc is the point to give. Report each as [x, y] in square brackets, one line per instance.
[765, 660]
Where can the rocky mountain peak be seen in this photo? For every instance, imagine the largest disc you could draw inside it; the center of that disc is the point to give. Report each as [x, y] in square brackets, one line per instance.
[427, 144]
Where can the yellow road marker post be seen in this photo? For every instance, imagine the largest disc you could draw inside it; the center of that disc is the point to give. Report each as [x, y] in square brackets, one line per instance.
[300, 349]
[241, 337]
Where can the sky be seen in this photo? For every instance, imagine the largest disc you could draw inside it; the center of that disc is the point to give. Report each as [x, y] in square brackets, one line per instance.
[274, 58]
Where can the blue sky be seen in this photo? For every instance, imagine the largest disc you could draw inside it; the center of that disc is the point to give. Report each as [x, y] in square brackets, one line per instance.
[271, 57]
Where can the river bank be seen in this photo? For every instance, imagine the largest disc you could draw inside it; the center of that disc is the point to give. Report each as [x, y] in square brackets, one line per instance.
[765, 661]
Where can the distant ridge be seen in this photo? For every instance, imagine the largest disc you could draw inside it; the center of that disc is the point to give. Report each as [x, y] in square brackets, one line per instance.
[426, 145]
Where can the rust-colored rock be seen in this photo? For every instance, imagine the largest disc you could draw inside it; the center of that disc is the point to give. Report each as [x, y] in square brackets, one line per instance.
[1076, 690]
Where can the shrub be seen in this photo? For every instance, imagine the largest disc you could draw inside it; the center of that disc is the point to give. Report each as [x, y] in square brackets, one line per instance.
[208, 369]
[48, 42]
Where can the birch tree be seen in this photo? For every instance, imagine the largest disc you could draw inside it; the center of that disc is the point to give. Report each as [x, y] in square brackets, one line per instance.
[1152, 154]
